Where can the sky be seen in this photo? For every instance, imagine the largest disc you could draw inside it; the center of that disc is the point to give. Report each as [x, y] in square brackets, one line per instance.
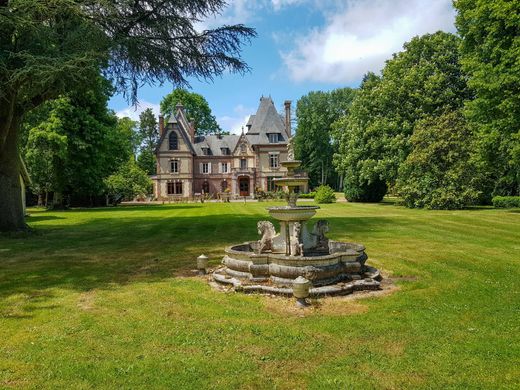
[303, 46]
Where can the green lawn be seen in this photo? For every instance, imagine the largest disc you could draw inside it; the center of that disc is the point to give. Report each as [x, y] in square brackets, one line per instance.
[106, 298]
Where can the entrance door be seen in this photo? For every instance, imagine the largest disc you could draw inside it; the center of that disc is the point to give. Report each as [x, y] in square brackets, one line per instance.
[243, 184]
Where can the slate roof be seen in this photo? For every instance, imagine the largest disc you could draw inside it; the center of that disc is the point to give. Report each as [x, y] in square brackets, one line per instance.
[266, 120]
[214, 143]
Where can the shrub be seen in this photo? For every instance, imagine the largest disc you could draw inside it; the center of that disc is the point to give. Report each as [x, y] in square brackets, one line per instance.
[128, 182]
[324, 194]
[506, 202]
[309, 195]
[439, 172]
[365, 192]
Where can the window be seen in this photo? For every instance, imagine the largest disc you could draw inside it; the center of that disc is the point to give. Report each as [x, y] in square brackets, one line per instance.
[273, 137]
[270, 184]
[273, 160]
[174, 166]
[224, 167]
[205, 168]
[178, 188]
[175, 188]
[243, 163]
[223, 186]
[225, 151]
[205, 187]
[206, 151]
[173, 141]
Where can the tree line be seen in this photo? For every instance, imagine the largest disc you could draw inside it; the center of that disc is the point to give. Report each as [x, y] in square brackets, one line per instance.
[440, 126]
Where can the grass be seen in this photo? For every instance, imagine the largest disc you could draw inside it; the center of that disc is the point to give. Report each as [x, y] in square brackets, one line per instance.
[104, 298]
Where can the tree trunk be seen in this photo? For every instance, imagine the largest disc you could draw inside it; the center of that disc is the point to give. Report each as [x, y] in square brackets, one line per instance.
[11, 207]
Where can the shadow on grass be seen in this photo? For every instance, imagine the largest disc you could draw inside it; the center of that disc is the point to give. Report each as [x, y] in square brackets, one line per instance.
[42, 217]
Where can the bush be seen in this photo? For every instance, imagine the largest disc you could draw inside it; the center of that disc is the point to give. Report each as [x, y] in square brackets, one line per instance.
[128, 182]
[506, 202]
[309, 195]
[365, 192]
[325, 194]
[439, 172]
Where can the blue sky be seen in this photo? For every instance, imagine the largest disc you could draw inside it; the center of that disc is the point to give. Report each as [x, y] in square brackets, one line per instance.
[302, 46]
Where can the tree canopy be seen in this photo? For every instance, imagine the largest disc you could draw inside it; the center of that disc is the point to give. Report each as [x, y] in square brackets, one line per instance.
[51, 47]
[490, 32]
[315, 114]
[196, 107]
[424, 80]
[149, 135]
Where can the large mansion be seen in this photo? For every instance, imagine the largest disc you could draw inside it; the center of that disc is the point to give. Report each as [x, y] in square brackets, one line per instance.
[188, 165]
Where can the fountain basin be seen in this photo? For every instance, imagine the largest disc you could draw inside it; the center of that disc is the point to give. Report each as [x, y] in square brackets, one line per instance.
[276, 272]
[291, 165]
[292, 214]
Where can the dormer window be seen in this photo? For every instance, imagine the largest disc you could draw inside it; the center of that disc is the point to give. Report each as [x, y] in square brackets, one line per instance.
[275, 138]
[225, 151]
[206, 151]
[173, 141]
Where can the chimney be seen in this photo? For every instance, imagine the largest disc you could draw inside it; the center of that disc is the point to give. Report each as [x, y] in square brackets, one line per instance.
[161, 125]
[192, 131]
[287, 105]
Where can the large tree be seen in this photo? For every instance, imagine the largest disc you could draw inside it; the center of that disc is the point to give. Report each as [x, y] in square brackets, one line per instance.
[196, 107]
[439, 172]
[49, 47]
[490, 32]
[149, 134]
[85, 139]
[424, 80]
[315, 114]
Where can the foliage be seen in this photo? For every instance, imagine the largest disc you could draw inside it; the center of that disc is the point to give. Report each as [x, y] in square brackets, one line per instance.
[439, 172]
[309, 195]
[128, 182]
[149, 134]
[506, 202]
[92, 143]
[128, 129]
[49, 48]
[491, 58]
[359, 190]
[196, 107]
[325, 194]
[315, 113]
[424, 80]
[46, 153]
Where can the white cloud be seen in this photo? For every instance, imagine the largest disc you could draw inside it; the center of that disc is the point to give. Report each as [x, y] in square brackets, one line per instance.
[278, 4]
[133, 112]
[234, 123]
[361, 35]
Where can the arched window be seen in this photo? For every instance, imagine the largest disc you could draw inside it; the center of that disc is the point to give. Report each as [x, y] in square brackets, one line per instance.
[173, 141]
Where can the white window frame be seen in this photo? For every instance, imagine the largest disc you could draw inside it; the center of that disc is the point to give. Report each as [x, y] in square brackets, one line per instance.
[273, 138]
[177, 165]
[206, 165]
[223, 167]
[272, 155]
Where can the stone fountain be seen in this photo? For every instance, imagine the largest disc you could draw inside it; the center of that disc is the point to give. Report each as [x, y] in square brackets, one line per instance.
[275, 262]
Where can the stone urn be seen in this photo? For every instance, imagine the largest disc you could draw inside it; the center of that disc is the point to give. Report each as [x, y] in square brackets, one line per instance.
[301, 287]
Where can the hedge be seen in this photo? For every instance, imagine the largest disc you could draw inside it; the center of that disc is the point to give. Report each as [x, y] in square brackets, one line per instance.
[506, 202]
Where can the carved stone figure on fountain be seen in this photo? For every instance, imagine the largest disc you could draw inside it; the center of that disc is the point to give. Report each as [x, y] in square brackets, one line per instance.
[290, 149]
[267, 231]
[296, 243]
[321, 227]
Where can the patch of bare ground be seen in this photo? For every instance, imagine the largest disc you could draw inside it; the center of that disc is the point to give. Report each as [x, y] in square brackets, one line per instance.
[86, 300]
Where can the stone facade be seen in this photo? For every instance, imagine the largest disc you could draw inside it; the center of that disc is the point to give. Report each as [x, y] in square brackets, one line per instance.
[237, 164]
